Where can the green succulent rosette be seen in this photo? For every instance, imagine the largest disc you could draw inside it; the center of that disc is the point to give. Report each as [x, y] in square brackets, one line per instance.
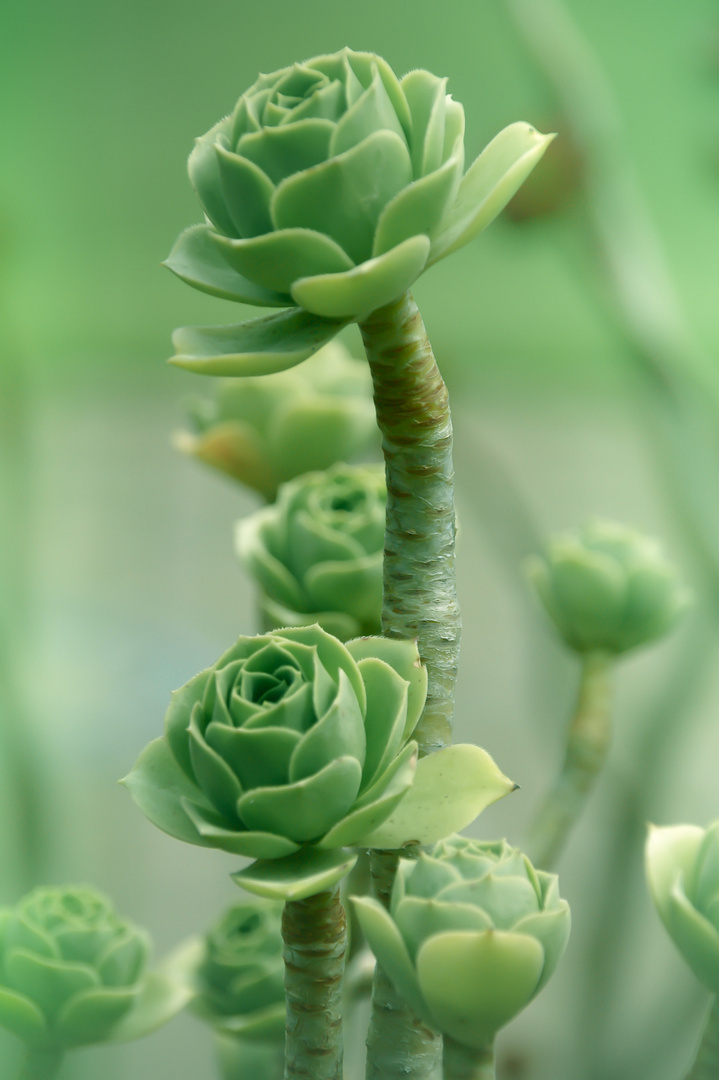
[327, 191]
[239, 976]
[265, 431]
[682, 863]
[294, 746]
[316, 553]
[607, 588]
[472, 934]
[72, 972]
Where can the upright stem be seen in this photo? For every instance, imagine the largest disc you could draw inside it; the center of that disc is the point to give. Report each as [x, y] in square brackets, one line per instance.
[706, 1064]
[420, 597]
[400, 1046]
[315, 937]
[41, 1064]
[465, 1063]
[587, 744]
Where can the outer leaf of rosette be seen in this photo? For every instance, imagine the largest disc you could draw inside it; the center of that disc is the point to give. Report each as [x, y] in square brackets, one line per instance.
[258, 347]
[157, 786]
[308, 872]
[671, 854]
[476, 982]
[369, 286]
[376, 804]
[488, 185]
[260, 1025]
[450, 789]
[162, 996]
[403, 656]
[197, 260]
[387, 944]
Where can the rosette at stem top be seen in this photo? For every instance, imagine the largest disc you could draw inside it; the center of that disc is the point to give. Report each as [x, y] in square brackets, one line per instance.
[294, 746]
[329, 189]
[472, 934]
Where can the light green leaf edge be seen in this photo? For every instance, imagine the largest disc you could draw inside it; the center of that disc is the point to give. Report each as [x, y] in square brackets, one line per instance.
[306, 873]
[259, 347]
[451, 787]
[488, 185]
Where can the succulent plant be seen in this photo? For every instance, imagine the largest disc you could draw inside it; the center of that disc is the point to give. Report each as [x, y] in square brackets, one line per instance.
[294, 746]
[72, 972]
[607, 588]
[683, 872]
[240, 972]
[472, 934]
[317, 552]
[328, 190]
[265, 431]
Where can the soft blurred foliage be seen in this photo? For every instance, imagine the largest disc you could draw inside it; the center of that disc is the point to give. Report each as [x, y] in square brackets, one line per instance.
[117, 575]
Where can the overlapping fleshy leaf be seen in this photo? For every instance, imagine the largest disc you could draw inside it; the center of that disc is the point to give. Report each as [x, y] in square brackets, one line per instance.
[331, 187]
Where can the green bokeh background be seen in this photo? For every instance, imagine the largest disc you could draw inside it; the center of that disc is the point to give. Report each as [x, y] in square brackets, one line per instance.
[117, 575]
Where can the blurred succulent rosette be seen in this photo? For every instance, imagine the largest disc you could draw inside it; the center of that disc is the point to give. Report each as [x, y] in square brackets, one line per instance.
[265, 431]
[607, 588]
[328, 190]
[239, 976]
[682, 864]
[294, 746]
[316, 553]
[72, 972]
[472, 934]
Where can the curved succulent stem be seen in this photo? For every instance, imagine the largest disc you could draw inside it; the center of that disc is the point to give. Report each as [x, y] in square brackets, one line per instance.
[587, 744]
[706, 1064]
[420, 598]
[466, 1063]
[41, 1064]
[315, 936]
[400, 1046]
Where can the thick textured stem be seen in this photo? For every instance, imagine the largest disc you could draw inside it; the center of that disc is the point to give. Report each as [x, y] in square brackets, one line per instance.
[465, 1063]
[400, 1046]
[420, 598]
[41, 1064]
[587, 744]
[706, 1064]
[315, 937]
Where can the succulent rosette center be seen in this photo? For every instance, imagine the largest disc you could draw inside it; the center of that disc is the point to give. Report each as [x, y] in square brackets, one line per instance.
[317, 552]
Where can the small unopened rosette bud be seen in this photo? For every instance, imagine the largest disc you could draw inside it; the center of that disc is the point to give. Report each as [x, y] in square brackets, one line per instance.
[72, 972]
[294, 746]
[317, 552]
[240, 973]
[328, 190]
[683, 873]
[472, 935]
[607, 588]
[265, 431]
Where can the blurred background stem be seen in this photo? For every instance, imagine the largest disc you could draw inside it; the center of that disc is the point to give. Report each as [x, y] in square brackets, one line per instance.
[587, 745]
